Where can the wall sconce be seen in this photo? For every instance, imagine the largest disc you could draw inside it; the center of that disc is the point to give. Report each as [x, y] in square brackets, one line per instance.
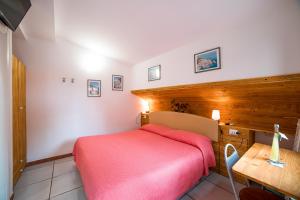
[215, 115]
[146, 106]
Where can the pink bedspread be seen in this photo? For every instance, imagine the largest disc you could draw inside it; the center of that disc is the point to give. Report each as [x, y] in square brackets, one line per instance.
[144, 164]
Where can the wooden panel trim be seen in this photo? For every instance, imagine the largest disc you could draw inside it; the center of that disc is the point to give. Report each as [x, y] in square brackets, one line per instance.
[249, 81]
[36, 162]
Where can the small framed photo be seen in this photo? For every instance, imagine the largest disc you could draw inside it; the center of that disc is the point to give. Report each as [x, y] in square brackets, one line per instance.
[94, 88]
[207, 60]
[117, 82]
[154, 73]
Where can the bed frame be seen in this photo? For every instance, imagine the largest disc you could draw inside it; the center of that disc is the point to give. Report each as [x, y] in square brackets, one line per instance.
[188, 122]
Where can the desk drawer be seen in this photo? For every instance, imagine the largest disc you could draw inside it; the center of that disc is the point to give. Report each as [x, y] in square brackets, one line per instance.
[243, 132]
[240, 145]
[236, 142]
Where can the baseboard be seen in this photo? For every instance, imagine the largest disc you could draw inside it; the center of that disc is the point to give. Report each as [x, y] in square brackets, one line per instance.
[35, 162]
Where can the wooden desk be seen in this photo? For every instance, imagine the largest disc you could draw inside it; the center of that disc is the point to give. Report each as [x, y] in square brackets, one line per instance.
[254, 166]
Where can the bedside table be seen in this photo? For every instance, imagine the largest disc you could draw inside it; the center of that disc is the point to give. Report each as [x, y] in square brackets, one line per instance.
[241, 138]
[144, 118]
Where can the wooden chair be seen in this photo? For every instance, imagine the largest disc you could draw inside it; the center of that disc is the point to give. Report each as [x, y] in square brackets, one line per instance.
[248, 193]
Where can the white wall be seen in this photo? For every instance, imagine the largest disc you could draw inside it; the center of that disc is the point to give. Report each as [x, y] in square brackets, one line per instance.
[5, 114]
[58, 113]
[263, 47]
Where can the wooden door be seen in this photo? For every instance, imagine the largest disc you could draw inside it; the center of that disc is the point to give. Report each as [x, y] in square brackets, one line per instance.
[19, 117]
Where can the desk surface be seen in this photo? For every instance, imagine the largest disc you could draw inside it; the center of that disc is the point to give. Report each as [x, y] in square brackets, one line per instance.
[253, 165]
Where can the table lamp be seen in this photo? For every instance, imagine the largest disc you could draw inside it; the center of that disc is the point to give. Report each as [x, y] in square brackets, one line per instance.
[215, 115]
[146, 106]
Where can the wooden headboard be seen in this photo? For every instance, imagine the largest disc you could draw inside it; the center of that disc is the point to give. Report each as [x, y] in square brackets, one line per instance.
[188, 122]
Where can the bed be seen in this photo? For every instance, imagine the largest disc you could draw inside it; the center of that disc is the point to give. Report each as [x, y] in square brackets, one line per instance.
[158, 161]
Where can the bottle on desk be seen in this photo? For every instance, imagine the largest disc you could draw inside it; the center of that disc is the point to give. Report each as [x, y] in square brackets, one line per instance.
[275, 157]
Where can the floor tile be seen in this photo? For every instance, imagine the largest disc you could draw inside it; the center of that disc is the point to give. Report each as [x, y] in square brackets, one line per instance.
[33, 167]
[64, 159]
[185, 197]
[35, 176]
[37, 191]
[64, 167]
[223, 182]
[77, 194]
[206, 190]
[210, 173]
[65, 183]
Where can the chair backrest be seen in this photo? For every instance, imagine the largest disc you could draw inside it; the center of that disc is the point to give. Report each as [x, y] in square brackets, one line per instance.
[230, 161]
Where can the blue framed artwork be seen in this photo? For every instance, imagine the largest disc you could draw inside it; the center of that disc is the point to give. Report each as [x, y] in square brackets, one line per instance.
[207, 60]
[94, 88]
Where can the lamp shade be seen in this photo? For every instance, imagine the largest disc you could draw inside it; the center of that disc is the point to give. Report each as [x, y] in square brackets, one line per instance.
[215, 115]
[146, 107]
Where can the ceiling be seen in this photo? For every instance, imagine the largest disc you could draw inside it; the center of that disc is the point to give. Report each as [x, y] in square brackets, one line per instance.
[132, 31]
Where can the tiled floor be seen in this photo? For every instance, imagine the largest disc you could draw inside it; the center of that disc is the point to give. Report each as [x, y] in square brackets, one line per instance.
[60, 180]
[57, 180]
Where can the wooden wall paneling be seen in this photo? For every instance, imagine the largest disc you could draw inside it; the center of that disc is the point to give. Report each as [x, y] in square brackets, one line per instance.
[256, 103]
[238, 112]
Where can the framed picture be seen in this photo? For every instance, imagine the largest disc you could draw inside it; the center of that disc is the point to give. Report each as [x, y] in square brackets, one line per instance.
[154, 73]
[93, 88]
[117, 82]
[207, 60]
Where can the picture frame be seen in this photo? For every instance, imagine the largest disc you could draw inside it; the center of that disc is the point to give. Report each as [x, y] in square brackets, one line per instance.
[93, 88]
[154, 73]
[207, 60]
[117, 82]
